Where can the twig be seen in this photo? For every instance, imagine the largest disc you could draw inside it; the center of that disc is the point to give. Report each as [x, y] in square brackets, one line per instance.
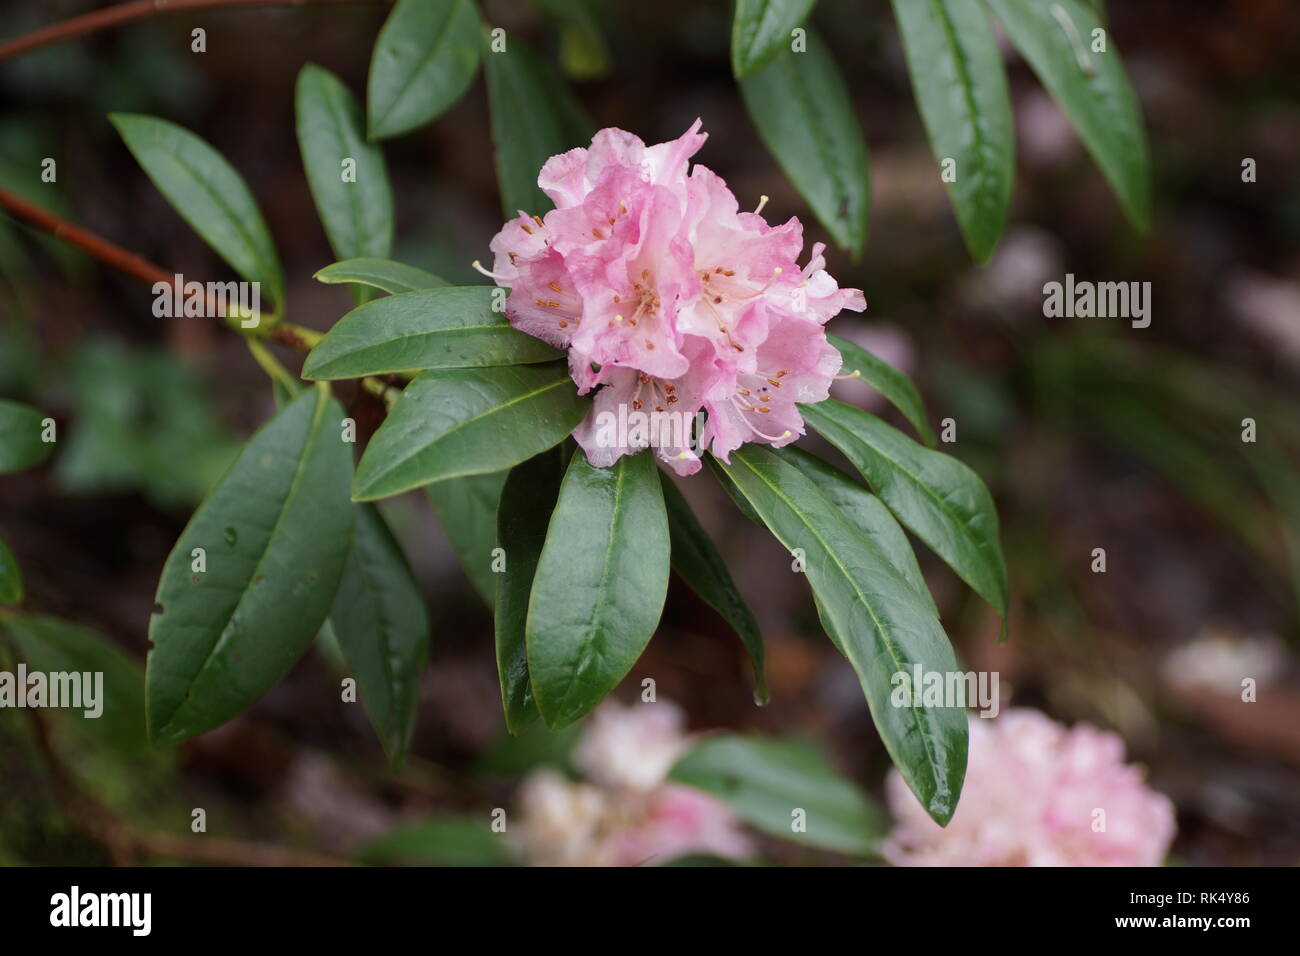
[106, 252]
[101, 249]
[136, 10]
[293, 336]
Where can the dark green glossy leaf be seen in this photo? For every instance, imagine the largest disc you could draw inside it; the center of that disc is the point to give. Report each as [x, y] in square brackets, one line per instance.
[729, 486]
[761, 29]
[865, 512]
[50, 645]
[1091, 88]
[961, 90]
[804, 116]
[274, 535]
[876, 618]
[527, 502]
[600, 584]
[467, 508]
[379, 620]
[20, 437]
[425, 58]
[209, 195]
[472, 421]
[11, 577]
[696, 560]
[382, 274]
[453, 327]
[765, 781]
[940, 499]
[442, 841]
[896, 387]
[534, 117]
[357, 214]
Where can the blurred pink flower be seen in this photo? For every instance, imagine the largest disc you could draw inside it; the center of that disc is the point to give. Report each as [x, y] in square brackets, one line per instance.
[1037, 794]
[667, 295]
[625, 813]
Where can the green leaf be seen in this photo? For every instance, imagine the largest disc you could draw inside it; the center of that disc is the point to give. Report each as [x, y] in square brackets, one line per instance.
[425, 58]
[764, 780]
[696, 560]
[761, 30]
[729, 486]
[865, 512]
[895, 386]
[20, 437]
[51, 645]
[467, 508]
[209, 195]
[600, 584]
[1091, 88]
[274, 534]
[470, 421]
[382, 274]
[527, 502]
[803, 113]
[11, 577]
[357, 214]
[379, 619]
[874, 615]
[961, 90]
[534, 117]
[441, 841]
[452, 327]
[940, 499]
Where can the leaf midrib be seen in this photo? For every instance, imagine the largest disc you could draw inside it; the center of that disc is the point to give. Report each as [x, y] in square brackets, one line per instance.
[885, 638]
[424, 63]
[941, 503]
[259, 258]
[398, 463]
[588, 644]
[313, 432]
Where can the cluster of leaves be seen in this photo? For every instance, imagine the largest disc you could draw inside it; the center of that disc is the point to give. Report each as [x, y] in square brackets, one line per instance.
[798, 101]
[575, 560]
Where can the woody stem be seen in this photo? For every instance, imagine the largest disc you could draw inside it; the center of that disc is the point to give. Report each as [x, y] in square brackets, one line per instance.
[136, 10]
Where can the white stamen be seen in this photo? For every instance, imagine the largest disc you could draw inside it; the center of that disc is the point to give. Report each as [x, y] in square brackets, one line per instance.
[762, 201]
[491, 275]
[782, 437]
[856, 373]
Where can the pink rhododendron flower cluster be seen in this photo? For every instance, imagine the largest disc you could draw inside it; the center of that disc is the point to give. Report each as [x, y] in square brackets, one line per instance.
[670, 299]
[1037, 794]
[626, 813]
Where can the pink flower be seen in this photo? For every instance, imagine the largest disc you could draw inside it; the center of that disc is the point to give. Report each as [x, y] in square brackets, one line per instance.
[670, 300]
[1037, 794]
[625, 813]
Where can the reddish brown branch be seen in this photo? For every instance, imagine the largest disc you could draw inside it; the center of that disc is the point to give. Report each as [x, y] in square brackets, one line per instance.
[101, 249]
[136, 10]
[114, 255]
